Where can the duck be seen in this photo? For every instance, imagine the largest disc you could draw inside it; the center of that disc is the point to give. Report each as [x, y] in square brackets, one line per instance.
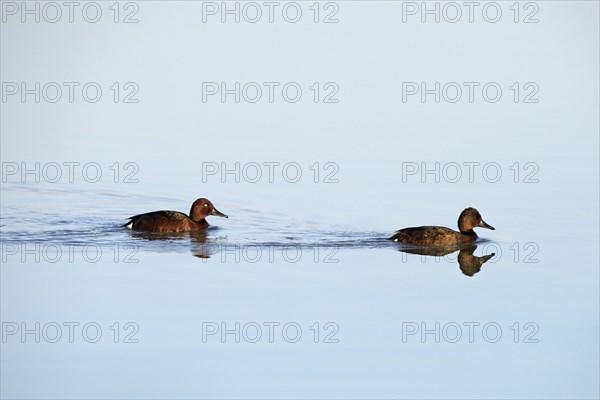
[441, 236]
[175, 221]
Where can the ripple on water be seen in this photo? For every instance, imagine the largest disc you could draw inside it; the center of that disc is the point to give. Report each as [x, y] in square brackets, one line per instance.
[85, 216]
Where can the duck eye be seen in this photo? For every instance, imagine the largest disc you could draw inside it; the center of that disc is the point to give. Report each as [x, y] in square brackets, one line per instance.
[206, 205]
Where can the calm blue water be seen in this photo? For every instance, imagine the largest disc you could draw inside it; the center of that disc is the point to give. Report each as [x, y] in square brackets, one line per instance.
[298, 294]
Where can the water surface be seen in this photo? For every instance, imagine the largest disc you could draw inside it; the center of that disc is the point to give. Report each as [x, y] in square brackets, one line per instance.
[299, 294]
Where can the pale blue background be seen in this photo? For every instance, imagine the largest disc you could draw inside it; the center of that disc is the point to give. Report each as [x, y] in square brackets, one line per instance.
[373, 288]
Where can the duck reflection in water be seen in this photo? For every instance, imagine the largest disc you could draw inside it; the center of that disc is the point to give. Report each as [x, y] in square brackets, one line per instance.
[201, 246]
[469, 264]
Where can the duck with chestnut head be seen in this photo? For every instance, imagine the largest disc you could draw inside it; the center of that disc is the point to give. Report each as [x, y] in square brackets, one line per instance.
[175, 221]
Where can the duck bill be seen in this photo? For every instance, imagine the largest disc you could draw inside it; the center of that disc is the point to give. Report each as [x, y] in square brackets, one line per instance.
[218, 213]
[484, 224]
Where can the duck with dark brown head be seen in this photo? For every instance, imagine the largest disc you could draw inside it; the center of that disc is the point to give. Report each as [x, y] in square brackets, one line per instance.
[441, 236]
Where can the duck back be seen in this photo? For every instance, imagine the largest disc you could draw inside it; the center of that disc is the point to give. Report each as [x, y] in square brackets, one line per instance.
[165, 221]
[431, 236]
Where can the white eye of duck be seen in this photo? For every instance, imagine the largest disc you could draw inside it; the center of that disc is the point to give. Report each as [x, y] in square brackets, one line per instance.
[206, 205]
